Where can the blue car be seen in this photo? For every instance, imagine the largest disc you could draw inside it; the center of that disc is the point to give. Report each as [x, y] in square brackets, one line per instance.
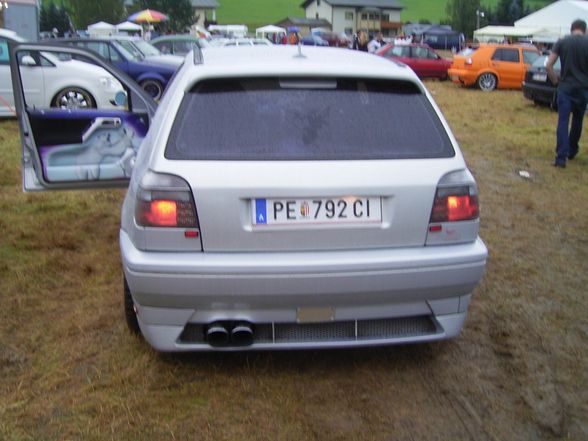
[314, 40]
[151, 76]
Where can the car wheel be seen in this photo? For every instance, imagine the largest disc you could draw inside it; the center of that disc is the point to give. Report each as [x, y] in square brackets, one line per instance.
[487, 82]
[130, 314]
[74, 98]
[153, 87]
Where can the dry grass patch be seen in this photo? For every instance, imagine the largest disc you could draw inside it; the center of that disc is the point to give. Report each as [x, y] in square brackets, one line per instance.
[70, 370]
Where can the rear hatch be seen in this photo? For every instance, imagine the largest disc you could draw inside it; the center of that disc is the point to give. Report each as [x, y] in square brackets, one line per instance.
[309, 164]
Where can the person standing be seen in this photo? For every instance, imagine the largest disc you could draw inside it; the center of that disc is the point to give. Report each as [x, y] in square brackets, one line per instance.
[361, 42]
[572, 90]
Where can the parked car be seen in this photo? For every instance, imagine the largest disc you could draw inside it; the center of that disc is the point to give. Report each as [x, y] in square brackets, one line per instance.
[334, 39]
[228, 42]
[152, 76]
[537, 85]
[146, 51]
[313, 40]
[284, 216]
[178, 44]
[54, 81]
[419, 57]
[492, 66]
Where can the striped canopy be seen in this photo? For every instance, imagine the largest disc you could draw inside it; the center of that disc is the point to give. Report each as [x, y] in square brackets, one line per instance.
[148, 16]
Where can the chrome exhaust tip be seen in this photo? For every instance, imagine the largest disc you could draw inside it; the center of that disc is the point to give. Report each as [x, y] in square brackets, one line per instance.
[217, 335]
[242, 334]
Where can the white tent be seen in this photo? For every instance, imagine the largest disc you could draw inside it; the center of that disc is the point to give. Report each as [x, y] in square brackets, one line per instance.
[496, 34]
[556, 18]
[129, 27]
[101, 28]
[264, 31]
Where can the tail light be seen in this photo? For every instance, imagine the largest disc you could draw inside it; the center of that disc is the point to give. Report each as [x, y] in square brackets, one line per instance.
[453, 204]
[165, 201]
[469, 61]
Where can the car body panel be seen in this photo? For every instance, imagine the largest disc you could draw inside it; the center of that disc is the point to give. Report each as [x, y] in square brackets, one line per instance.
[471, 63]
[419, 57]
[178, 44]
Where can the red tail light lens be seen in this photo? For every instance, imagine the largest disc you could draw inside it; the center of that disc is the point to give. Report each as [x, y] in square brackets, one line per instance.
[165, 201]
[455, 204]
[469, 62]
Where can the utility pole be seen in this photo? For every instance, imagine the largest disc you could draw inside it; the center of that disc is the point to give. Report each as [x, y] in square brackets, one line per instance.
[478, 15]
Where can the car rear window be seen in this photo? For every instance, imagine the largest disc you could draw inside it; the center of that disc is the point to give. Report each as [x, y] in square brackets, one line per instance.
[306, 119]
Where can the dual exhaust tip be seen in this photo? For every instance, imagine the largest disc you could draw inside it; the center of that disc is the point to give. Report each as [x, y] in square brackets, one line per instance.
[220, 334]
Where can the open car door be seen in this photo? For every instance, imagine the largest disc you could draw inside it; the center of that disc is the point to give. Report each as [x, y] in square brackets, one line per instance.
[81, 119]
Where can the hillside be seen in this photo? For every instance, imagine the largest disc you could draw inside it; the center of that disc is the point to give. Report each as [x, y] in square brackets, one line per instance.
[256, 13]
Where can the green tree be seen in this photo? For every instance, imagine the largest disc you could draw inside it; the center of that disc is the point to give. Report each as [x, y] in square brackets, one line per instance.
[86, 12]
[52, 17]
[461, 14]
[180, 13]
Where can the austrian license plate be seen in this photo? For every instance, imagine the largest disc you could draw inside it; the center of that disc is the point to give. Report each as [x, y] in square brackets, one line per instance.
[317, 211]
[540, 77]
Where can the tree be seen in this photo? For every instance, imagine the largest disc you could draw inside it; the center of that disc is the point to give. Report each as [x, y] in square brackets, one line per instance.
[508, 11]
[462, 16]
[86, 12]
[180, 13]
[52, 17]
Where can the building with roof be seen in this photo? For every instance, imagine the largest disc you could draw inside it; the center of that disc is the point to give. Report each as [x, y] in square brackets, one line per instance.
[204, 12]
[349, 16]
[304, 25]
[21, 16]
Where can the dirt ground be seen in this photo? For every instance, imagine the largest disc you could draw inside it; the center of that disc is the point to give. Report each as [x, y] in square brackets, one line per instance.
[70, 370]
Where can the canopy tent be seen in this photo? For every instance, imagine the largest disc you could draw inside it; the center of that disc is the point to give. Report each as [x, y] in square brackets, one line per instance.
[100, 29]
[498, 34]
[265, 31]
[442, 37]
[130, 28]
[555, 19]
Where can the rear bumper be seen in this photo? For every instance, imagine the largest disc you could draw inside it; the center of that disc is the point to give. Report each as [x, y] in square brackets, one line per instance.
[462, 77]
[538, 93]
[172, 290]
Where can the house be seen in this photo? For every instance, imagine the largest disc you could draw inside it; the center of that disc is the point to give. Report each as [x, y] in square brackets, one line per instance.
[304, 25]
[21, 16]
[204, 11]
[349, 16]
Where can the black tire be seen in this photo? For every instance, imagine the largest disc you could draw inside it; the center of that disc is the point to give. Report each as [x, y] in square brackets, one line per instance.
[130, 314]
[74, 98]
[153, 87]
[487, 82]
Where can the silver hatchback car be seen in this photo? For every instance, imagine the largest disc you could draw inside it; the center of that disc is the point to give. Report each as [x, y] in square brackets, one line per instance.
[279, 198]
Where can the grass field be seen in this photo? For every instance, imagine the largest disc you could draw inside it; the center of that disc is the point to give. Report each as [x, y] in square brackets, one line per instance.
[256, 13]
[69, 369]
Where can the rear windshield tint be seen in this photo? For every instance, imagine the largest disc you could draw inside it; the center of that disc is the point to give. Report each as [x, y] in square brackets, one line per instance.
[306, 119]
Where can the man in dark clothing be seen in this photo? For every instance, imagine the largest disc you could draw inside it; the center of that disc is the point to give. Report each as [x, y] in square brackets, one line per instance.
[572, 89]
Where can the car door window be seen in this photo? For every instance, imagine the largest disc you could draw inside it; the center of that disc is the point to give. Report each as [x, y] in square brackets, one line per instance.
[113, 55]
[508, 55]
[420, 52]
[99, 47]
[529, 56]
[432, 55]
[3, 52]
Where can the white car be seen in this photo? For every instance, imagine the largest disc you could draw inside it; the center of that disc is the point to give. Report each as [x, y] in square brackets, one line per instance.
[54, 80]
[241, 42]
[268, 208]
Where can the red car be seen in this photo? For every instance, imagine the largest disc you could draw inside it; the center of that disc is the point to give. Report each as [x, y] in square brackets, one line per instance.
[419, 57]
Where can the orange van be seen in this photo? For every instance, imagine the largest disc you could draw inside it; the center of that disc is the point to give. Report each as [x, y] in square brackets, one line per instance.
[491, 66]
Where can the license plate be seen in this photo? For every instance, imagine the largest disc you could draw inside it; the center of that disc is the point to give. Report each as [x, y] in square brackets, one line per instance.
[317, 211]
[540, 77]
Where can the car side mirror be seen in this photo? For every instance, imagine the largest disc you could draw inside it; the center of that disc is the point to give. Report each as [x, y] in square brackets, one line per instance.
[27, 60]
